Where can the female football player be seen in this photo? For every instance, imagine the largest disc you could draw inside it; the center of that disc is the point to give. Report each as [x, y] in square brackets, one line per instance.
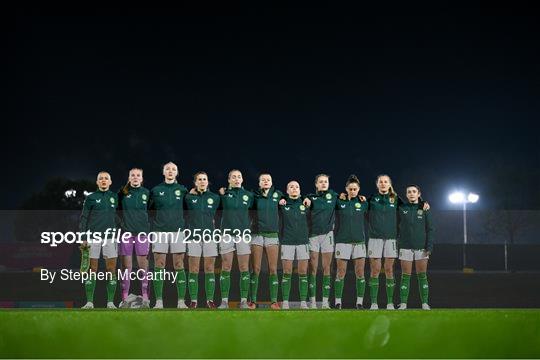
[133, 203]
[415, 244]
[236, 236]
[350, 240]
[167, 202]
[99, 215]
[266, 229]
[294, 243]
[321, 237]
[201, 206]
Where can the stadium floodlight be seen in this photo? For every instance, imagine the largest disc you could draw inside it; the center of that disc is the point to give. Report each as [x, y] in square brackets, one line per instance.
[458, 197]
[472, 198]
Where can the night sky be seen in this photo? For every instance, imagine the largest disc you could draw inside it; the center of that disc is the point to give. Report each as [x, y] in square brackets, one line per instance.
[446, 100]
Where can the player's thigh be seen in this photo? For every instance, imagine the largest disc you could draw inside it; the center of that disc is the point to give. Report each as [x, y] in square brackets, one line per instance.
[288, 252]
[327, 243]
[344, 251]
[375, 248]
[178, 243]
[390, 248]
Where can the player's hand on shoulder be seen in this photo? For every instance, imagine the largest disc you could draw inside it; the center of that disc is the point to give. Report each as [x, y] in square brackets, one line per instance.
[221, 191]
[282, 202]
[362, 198]
[426, 206]
[307, 202]
[342, 196]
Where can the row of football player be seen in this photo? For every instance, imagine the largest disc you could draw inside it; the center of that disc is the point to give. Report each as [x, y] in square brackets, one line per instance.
[304, 228]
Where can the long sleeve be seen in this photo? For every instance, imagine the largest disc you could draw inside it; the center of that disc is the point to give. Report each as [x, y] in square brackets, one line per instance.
[83, 223]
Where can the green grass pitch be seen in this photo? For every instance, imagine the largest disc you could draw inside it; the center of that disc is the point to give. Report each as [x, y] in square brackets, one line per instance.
[270, 334]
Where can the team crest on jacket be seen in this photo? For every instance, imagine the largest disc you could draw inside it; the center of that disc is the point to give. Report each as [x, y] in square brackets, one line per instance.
[210, 201]
[177, 192]
[328, 196]
[275, 196]
[420, 212]
[392, 200]
[111, 200]
[245, 198]
[144, 197]
[302, 207]
[357, 205]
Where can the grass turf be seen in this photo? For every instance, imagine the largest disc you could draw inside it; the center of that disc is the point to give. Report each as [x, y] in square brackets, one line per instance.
[270, 334]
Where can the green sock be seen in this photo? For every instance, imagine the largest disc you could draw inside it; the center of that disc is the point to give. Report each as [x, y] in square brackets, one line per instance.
[209, 285]
[326, 280]
[286, 286]
[423, 287]
[181, 284]
[338, 288]
[360, 287]
[244, 284]
[158, 282]
[225, 282]
[312, 285]
[374, 289]
[111, 288]
[193, 286]
[274, 284]
[303, 286]
[254, 286]
[89, 287]
[404, 289]
[390, 283]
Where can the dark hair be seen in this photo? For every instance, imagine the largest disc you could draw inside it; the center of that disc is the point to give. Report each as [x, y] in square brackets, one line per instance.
[420, 200]
[414, 186]
[263, 173]
[352, 180]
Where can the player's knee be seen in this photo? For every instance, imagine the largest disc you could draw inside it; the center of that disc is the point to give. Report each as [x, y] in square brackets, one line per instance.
[256, 269]
[340, 273]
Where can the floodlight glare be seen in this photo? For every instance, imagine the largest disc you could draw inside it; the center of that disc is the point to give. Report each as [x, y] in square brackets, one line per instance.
[456, 197]
[472, 198]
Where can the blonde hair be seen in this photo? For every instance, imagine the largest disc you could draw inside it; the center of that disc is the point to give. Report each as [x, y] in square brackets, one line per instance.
[393, 194]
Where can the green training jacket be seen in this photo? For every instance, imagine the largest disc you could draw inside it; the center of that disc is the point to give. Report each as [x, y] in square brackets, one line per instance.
[167, 206]
[415, 227]
[350, 216]
[294, 222]
[134, 209]
[99, 212]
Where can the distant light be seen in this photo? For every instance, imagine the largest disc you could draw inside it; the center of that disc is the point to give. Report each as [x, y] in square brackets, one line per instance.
[457, 197]
[70, 193]
[472, 198]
